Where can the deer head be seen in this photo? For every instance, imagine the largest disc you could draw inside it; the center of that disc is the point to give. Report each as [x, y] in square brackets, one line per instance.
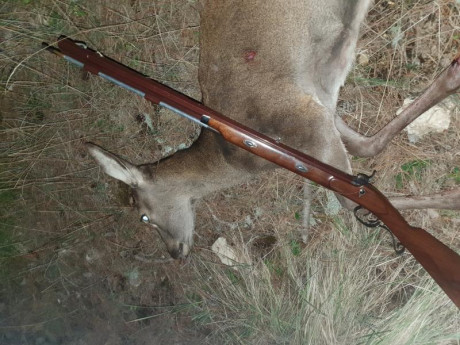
[163, 208]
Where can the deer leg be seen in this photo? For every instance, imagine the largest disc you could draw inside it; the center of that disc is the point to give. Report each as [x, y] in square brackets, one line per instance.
[447, 83]
[444, 200]
[306, 211]
[449, 200]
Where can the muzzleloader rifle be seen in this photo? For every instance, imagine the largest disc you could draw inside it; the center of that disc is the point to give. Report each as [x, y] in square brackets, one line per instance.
[441, 262]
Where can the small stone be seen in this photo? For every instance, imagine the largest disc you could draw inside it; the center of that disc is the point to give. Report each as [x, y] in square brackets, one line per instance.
[134, 277]
[363, 59]
[226, 253]
[436, 119]
[333, 205]
[433, 214]
[92, 255]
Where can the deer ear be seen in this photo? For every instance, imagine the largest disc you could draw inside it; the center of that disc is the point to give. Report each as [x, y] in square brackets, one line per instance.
[115, 166]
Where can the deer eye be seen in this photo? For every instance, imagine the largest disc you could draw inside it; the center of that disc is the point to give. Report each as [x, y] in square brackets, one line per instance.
[145, 218]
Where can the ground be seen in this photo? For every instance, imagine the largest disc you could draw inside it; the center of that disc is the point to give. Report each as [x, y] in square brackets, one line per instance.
[77, 266]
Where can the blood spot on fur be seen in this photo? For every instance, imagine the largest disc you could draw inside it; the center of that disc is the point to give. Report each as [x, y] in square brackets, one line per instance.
[250, 55]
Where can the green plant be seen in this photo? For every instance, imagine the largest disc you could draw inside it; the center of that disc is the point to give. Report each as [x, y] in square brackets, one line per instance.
[455, 175]
[412, 170]
[274, 267]
[295, 247]
[77, 10]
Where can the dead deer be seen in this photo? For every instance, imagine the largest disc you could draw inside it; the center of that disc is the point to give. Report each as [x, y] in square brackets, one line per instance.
[275, 66]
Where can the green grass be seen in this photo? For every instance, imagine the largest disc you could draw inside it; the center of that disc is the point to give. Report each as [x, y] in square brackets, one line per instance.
[412, 170]
[295, 247]
[57, 24]
[455, 175]
[371, 82]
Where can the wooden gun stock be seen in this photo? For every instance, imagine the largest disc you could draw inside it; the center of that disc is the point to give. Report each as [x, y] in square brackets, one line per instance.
[441, 262]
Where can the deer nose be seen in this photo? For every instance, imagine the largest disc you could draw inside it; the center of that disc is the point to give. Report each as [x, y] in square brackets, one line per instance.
[180, 252]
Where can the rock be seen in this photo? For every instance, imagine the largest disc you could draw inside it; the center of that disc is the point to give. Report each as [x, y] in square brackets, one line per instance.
[436, 119]
[363, 59]
[92, 255]
[134, 277]
[227, 254]
[333, 205]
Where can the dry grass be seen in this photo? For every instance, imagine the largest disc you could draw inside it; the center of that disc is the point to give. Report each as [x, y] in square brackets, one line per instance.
[337, 294]
[75, 263]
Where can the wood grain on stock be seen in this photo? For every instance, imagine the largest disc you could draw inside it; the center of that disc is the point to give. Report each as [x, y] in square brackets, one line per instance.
[442, 263]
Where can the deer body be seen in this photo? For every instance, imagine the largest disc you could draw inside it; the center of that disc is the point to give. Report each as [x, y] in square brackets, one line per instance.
[275, 66]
